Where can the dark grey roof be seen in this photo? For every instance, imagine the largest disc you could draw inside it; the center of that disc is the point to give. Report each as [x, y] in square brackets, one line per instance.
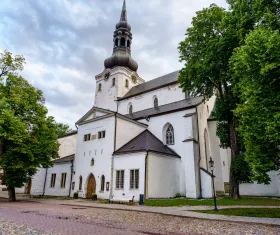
[146, 141]
[64, 159]
[152, 85]
[68, 134]
[168, 108]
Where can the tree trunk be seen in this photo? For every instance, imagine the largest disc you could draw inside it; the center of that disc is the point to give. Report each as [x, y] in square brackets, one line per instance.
[12, 194]
[234, 184]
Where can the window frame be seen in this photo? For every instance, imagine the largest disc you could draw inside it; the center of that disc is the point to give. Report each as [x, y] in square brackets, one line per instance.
[170, 138]
[80, 183]
[53, 179]
[121, 180]
[102, 183]
[155, 102]
[126, 83]
[63, 180]
[133, 182]
[101, 134]
[99, 87]
[87, 137]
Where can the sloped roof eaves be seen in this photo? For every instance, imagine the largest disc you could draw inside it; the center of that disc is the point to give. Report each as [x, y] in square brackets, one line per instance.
[97, 118]
[168, 108]
[64, 159]
[147, 150]
[146, 141]
[168, 79]
[88, 113]
[68, 134]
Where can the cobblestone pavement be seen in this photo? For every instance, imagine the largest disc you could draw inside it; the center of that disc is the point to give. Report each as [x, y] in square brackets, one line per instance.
[40, 218]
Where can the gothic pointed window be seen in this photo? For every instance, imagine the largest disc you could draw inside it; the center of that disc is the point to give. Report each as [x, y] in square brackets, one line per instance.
[170, 135]
[156, 102]
[99, 87]
[80, 183]
[102, 183]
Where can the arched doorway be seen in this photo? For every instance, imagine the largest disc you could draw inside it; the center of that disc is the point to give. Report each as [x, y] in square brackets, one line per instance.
[91, 186]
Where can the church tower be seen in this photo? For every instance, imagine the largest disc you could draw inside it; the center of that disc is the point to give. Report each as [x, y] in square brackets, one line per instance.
[120, 73]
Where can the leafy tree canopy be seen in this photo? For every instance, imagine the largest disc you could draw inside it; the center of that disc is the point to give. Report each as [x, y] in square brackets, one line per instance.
[27, 136]
[257, 67]
[62, 129]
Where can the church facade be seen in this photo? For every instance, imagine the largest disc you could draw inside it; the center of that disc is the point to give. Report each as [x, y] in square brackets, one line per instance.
[139, 138]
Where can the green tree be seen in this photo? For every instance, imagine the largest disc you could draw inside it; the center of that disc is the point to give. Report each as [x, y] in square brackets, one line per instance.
[256, 65]
[206, 51]
[27, 136]
[62, 129]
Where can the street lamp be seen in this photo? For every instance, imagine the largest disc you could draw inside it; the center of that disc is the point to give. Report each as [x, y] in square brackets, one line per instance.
[211, 164]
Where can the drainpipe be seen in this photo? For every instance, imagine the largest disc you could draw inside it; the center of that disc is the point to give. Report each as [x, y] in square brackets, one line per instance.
[199, 156]
[45, 181]
[71, 168]
[146, 176]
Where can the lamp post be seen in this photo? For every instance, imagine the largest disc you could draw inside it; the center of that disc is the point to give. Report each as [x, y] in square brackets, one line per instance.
[211, 164]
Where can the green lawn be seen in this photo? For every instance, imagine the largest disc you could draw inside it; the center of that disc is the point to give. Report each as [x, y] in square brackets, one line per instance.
[250, 212]
[224, 201]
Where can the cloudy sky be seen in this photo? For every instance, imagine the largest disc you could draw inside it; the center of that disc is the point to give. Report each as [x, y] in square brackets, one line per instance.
[65, 43]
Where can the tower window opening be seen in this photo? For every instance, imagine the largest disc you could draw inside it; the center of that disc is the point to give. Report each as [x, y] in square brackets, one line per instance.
[123, 42]
[99, 87]
[156, 102]
[130, 108]
[114, 82]
[128, 43]
[126, 83]
[116, 42]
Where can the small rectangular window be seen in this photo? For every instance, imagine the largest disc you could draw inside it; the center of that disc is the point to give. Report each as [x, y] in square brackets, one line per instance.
[134, 179]
[63, 180]
[93, 137]
[101, 134]
[120, 179]
[87, 137]
[53, 177]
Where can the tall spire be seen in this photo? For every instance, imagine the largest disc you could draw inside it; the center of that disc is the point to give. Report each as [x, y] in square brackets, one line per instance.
[123, 14]
[122, 44]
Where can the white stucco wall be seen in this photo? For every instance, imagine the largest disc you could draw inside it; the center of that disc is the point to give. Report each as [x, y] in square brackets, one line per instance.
[126, 131]
[106, 99]
[100, 150]
[183, 129]
[37, 186]
[254, 189]
[128, 162]
[67, 145]
[165, 95]
[58, 169]
[206, 185]
[163, 176]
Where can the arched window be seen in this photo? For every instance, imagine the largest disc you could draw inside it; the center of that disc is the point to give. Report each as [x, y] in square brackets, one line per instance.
[99, 87]
[114, 82]
[126, 83]
[123, 42]
[130, 109]
[92, 162]
[102, 183]
[155, 102]
[80, 183]
[170, 135]
[128, 43]
[116, 42]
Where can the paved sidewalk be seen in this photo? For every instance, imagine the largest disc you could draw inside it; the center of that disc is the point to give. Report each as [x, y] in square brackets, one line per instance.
[184, 211]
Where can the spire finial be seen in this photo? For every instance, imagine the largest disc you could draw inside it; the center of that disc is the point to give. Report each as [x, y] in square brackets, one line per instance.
[123, 14]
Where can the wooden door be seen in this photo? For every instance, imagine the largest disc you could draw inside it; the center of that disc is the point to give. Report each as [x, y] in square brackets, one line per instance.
[91, 187]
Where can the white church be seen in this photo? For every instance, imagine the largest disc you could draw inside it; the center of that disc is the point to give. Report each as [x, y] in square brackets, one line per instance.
[141, 137]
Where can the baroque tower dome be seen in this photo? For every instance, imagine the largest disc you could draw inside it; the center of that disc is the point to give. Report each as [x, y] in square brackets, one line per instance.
[122, 45]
